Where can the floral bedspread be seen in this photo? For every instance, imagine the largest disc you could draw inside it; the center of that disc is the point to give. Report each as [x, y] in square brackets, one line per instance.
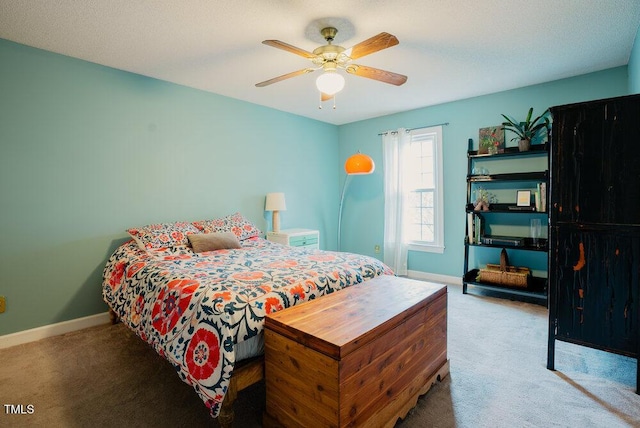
[192, 308]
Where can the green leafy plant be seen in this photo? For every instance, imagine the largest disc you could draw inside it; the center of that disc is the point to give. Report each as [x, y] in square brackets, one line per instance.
[484, 199]
[528, 129]
[483, 195]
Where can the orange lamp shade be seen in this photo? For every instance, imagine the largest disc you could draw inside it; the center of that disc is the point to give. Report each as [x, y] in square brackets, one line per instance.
[359, 164]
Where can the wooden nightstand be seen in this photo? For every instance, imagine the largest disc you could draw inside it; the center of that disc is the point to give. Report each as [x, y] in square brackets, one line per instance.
[305, 238]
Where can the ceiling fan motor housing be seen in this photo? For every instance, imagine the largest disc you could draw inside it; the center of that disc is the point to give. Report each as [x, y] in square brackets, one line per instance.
[329, 33]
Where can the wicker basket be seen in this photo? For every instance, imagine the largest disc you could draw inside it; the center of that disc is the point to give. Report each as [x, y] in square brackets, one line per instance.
[503, 274]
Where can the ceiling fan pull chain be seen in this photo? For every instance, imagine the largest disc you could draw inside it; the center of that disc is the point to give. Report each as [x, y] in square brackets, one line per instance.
[334, 102]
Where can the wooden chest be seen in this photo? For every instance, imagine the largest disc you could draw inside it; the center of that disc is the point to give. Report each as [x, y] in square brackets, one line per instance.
[359, 356]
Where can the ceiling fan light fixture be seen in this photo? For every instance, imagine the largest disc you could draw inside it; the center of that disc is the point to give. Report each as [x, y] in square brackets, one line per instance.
[330, 82]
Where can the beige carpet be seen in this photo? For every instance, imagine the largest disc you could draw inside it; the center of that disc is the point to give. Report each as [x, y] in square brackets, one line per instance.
[107, 377]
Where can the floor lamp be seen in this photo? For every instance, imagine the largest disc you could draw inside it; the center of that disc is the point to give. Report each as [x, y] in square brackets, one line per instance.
[358, 164]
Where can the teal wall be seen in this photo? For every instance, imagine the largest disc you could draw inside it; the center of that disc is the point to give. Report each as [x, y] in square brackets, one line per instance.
[634, 66]
[88, 151]
[363, 218]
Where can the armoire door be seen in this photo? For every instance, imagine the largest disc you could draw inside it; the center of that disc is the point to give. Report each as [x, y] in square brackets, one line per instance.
[595, 162]
[597, 278]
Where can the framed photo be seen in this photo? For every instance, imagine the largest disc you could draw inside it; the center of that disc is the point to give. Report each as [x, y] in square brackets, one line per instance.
[523, 198]
[491, 140]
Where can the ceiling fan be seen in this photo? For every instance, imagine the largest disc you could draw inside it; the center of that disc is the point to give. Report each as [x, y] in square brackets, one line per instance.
[332, 57]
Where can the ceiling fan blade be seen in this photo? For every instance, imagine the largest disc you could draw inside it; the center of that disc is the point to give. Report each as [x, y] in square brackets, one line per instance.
[285, 76]
[374, 44]
[376, 74]
[289, 48]
[325, 97]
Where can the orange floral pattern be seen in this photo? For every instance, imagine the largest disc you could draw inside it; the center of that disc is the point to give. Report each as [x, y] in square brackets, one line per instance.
[193, 308]
[171, 304]
[203, 354]
[236, 223]
[162, 234]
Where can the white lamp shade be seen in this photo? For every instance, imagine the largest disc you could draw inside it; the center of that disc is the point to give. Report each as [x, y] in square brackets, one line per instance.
[275, 202]
[330, 82]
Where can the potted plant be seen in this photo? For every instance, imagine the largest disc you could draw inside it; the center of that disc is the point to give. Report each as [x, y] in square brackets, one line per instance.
[527, 130]
[484, 199]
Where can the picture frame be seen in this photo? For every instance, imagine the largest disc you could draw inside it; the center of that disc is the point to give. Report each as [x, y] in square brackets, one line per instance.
[523, 198]
[491, 140]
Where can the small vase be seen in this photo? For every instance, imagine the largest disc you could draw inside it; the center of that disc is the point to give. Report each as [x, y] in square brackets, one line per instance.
[524, 145]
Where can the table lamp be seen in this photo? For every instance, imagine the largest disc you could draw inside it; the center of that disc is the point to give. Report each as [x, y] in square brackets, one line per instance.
[275, 202]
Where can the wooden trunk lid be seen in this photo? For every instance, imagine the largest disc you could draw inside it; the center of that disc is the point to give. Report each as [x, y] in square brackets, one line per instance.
[341, 322]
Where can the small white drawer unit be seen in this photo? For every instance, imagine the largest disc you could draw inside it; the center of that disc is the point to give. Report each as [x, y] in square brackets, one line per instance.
[305, 238]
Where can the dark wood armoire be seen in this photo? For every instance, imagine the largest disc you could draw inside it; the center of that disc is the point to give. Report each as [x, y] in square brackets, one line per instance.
[594, 226]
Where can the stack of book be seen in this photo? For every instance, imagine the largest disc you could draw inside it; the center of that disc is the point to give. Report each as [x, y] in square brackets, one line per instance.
[475, 234]
[507, 241]
[475, 228]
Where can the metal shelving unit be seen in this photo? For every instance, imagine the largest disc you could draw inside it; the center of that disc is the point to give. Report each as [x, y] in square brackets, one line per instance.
[537, 286]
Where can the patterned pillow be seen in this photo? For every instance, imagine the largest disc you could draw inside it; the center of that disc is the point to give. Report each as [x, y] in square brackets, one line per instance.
[162, 235]
[235, 223]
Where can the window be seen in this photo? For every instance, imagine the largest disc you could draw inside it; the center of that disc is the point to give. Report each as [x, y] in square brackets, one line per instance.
[413, 207]
[424, 229]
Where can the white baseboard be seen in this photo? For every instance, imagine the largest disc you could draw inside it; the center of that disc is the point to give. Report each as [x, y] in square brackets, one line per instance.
[50, 330]
[434, 277]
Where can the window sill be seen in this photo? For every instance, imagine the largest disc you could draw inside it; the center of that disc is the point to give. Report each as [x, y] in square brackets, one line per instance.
[426, 248]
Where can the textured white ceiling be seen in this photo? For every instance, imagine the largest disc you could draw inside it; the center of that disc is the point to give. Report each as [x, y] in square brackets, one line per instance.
[450, 50]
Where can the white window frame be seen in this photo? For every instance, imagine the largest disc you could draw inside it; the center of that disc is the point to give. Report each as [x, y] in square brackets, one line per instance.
[437, 246]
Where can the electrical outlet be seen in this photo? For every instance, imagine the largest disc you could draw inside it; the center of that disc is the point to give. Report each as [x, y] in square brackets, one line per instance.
[376, 248]
[3, 304]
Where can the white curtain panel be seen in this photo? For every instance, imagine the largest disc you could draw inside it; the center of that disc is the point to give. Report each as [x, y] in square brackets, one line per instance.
[394, 151]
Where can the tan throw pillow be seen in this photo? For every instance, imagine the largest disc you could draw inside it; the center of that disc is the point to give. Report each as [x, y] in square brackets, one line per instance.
[213, 241]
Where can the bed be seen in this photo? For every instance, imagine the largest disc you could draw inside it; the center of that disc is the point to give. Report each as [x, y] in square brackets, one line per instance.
[202, 306]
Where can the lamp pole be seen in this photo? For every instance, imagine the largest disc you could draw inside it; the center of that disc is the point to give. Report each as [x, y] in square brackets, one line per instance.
[356, 164]
[344, 187]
